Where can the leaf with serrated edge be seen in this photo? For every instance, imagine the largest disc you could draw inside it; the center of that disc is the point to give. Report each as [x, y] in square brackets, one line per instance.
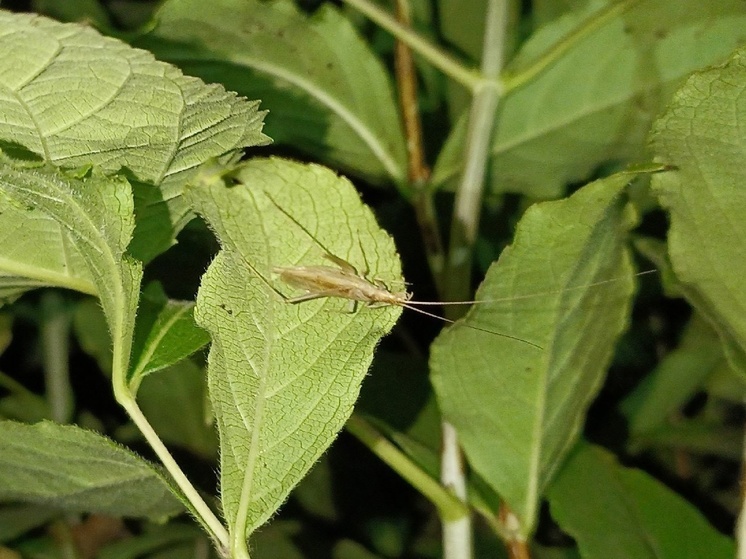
[79, 470]
[596, 102]
[518, 408]
[329, 94]
[283, 378]
[77, 98]
[702, 135]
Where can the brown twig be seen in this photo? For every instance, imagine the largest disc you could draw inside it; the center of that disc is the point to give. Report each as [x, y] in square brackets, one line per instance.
[417, 170]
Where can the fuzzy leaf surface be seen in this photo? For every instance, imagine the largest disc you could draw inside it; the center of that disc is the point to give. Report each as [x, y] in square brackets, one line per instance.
[74, 98]
[79, 470]
[90, 219]
[283, 378]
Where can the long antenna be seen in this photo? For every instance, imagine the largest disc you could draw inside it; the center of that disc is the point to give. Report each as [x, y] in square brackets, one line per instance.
[448, 320]
[529, 295]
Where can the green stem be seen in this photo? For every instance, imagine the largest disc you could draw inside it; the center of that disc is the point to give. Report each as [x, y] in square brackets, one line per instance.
[464, 228]
[125, 397]
[200, 509]
[449, 507]
[55, 333]
[436, 56]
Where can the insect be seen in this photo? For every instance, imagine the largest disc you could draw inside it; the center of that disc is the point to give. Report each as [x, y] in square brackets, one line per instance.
[344, 281]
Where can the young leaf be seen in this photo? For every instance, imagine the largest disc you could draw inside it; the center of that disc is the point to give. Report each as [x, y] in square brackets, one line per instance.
[80, 471]
[596, 99]
[165, 333]
[76, 98]
[283, 377]
[329, 94]
[702, 135]
[518, 408]
[614, 512]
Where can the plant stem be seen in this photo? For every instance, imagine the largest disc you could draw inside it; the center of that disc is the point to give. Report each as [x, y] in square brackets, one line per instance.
[464, 227]
[55, 333]
[418, 172]
[124, 395]
[741, 522]
[436, 56]
[449, 507]
[201, 510]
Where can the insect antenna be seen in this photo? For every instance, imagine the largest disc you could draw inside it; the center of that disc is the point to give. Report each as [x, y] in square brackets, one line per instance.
[528, 295]
[449, 321]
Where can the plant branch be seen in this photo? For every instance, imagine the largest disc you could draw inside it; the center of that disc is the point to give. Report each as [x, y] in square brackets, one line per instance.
[55, 332]
[449, 507]
[436, 56]
[464, 228]
[201, 510]
[418, 172]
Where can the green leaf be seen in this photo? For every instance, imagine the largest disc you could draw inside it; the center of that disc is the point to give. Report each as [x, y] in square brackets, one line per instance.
[674, 381]
[519, 408]
[702, 134]
[329, 94]
[90, 221]
[165, 332]
[76, 98]
[614, 512]
[80, 471]
[17, 519]
[596, 100]
[283, 378]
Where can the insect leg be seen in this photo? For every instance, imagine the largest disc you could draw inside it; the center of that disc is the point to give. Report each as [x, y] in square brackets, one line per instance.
[310, 297]
[342, 263]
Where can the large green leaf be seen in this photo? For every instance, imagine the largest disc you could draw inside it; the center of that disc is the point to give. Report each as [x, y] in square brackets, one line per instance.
[614, 512]
[518, 408]
[328, 93]
[703, 134]
[595, 102]
[282, 377]
[76, 98]
[79, 470]
[90, 221]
